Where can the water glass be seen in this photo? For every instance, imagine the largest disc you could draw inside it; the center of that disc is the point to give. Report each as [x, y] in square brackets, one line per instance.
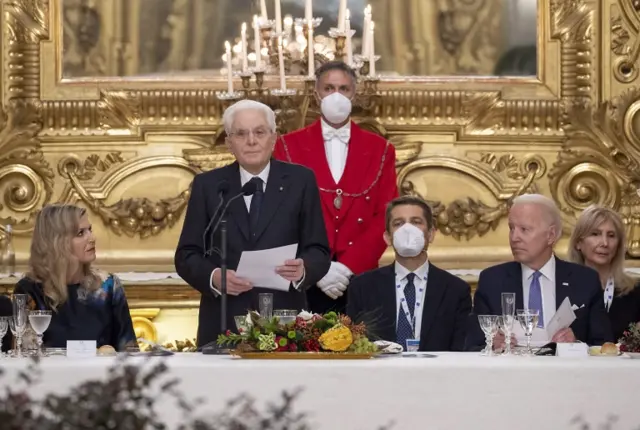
[19, 302]
[265, 304]
[528, 319]
[508, 317]
[489, 325]
[40, 321]
[286, 316]
[4, 327]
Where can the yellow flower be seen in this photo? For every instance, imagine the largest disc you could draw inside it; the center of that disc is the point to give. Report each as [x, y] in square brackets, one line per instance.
[337, 338]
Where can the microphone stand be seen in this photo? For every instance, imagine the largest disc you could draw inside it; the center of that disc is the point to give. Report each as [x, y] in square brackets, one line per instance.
[223, 275]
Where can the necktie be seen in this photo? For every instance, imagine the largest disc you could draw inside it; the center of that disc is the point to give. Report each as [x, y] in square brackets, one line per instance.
[256, 204]
[404, 329]
[341, 134]
[535, 297]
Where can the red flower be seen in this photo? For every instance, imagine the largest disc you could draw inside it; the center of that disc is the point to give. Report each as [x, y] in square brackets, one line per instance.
[293, 347]
[623, 348]
[300, 323]
[311, 345]
[228, 333]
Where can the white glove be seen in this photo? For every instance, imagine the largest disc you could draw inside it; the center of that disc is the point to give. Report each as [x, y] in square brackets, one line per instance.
[335, 282]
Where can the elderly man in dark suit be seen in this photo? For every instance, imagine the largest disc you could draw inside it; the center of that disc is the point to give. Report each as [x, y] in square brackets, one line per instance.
[285, 209]
[539, 279]
[412, 299]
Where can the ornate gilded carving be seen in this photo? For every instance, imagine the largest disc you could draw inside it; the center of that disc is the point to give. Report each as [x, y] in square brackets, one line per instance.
[600, 162]
[131, 216]
[504, 175]
[95, 163]
[143, 323]
[26, 179]
[26, 23]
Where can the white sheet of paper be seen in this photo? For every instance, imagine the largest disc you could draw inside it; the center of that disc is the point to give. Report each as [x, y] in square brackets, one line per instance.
[563, 318]
[82, 348]
[259, 267]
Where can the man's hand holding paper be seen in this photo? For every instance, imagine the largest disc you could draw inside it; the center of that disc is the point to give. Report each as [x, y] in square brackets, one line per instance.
[265, 268]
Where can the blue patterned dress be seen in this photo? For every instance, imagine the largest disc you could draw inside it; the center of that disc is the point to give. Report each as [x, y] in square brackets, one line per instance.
[102, 315]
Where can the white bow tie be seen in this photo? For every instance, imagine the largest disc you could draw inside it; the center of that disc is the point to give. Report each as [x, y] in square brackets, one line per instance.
[341, 134]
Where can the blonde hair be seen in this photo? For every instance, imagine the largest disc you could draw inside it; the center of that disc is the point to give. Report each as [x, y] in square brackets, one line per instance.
[50, 260]
[590, 219]
[547, 204]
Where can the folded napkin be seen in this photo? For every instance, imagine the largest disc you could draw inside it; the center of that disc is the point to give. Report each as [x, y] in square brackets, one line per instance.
[388, 347]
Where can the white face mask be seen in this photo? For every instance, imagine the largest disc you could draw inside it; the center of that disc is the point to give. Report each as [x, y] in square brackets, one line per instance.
[408, 240]
[336, 108]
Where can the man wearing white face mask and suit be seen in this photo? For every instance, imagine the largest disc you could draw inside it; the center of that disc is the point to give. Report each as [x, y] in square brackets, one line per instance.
[412, 299]
[355, 171]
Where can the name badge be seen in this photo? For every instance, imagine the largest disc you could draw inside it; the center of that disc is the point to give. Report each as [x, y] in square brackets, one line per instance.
[81, 348]
[413, 345]
[572, 350]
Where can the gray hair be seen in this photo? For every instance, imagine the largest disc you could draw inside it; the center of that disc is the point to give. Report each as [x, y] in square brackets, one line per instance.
[230, 113]
[547, 204]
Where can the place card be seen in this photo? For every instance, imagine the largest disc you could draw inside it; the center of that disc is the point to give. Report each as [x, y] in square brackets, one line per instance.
[572, 350]
[82, 348]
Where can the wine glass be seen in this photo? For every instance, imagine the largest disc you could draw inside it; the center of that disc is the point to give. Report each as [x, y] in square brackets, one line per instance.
[528, 319]
[265, 303]
[285, 316]
[4, 326]
[508, 317]
[489, 325]
[19, 302]
[40, 321]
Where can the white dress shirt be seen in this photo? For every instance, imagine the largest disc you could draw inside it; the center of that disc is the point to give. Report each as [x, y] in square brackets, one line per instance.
[547, 287]
[420, 282]
[246, 177]
[336, 147]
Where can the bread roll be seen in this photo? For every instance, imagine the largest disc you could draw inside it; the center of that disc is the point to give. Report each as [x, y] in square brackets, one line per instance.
[106, 350]
[609, 349]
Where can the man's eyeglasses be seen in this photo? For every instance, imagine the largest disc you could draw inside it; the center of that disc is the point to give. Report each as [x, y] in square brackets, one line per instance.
[243, 135]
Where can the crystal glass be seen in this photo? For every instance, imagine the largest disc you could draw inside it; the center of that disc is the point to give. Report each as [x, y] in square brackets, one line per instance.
[265, 303]
[4, 327]
[40, 321]
[489, 325]
[286, 316]
[508, 317]
[241, 323]
[19, 302]
[528, 319]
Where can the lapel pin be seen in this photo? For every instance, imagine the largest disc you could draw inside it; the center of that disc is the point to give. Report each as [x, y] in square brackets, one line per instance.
[565, 284]
[281, 188]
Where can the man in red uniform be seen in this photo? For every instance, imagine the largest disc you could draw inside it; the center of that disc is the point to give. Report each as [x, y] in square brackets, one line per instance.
[355, 171]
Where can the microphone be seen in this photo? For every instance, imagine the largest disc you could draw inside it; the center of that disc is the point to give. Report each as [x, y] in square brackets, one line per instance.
[223, 188]
[247, 190]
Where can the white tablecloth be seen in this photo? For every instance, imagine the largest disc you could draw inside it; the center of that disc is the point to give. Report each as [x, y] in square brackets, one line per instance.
[451, 391]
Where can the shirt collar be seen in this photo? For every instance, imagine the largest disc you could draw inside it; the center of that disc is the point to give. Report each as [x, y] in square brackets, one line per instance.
[246, 176]
[548, 270]
[345, 129]
[421, 272]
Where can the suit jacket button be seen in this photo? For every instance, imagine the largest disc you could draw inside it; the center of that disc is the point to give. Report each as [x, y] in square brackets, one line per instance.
[360, 220]
[337, 217]
[350, 243]
[367, 198]
[336, 230]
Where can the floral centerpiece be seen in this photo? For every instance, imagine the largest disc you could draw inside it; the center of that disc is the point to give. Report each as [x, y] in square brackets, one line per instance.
[331, 332]
[630, 340]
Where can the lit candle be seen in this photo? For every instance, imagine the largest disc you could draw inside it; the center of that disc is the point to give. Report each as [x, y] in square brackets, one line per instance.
[227, 47]
[278, 18]
[347, 28]
[372, 51]
[311, 51]
[256, 41]
[341, 14]
[308, 11]
[263, 11]
[365, 31]
[245, 60]
[283, 83]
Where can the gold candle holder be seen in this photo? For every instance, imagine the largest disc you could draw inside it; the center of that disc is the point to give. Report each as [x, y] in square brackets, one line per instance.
[340, 38]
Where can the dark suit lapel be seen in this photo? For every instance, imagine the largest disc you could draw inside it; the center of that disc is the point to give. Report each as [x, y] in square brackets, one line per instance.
[563, 274]
[237, 209]
[513, 284]
[277, 189]
[432, 299]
